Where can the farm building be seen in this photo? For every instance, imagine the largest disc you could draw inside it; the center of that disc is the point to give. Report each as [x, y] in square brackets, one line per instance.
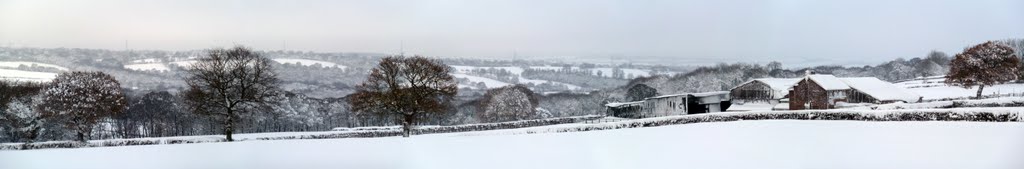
[817, 92]
[763, 90]
[825, 91]
[690, 103]
[625, 109]
[873, 90]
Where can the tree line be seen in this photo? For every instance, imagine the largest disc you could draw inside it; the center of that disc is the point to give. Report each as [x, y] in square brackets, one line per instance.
[229, 90]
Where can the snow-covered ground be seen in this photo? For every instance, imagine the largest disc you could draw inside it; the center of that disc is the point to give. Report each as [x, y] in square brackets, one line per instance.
[493, 83]
[945, 92]
[933, 88]
[28, 76]
[183, 63]
[147, 67]
[744, 144]
[16, 64]
[735, 107]
[989, 102]
[490, 83]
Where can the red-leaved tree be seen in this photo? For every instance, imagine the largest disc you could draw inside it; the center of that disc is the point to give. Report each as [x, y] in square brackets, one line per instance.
[983, 65]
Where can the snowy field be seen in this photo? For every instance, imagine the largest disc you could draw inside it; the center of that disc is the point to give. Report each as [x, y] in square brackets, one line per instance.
[492, 83]
[27, 76]
[745, 144]
[17, 64]
[933, 88]
[147, 67]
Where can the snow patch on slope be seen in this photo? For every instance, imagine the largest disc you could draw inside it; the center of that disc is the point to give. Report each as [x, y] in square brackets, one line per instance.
[147, 67]
[28, 76]
[16, 64]
[934, 88]
[490, 83]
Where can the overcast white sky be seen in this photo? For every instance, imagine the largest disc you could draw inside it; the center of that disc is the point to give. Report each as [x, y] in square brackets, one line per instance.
[838, 32]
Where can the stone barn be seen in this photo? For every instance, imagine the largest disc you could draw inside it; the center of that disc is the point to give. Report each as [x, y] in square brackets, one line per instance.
[763, 90]
[817, 92]
[826, 91]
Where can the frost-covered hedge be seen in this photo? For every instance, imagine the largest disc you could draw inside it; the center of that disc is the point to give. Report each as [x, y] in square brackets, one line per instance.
[994, 114]
[360, 132]
[990, 102]
[110, 143]
[1005, 114]
[396, 131]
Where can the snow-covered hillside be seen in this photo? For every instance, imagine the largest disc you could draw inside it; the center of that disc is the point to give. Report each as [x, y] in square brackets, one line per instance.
[744, 144]
[157, 65]
[488, 82]
[463, 71]
[492, 83]
[16, 64]
[28, 76]
[309, 62]
[933, 88]
[147, 67]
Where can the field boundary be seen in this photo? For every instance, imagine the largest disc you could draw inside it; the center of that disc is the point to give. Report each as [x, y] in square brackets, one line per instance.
[988, 114]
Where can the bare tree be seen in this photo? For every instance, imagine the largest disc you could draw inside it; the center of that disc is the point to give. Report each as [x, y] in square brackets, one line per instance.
[230, 82]
[407, 88]
[83, 98]
[983, 65]
[929, 67]
[640, 92]
[774, 65]
[508, 103]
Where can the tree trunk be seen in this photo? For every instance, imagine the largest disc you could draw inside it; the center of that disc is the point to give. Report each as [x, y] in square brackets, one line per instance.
[229, 128]
[980, 87]
[81, 136]
[407, 126]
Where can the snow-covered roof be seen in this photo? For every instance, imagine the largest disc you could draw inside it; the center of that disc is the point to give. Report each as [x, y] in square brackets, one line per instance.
[779, 86]
[879, 89]
[828, 82]
[779, 83]
[705, 94]
[617, 104]
[667, 96]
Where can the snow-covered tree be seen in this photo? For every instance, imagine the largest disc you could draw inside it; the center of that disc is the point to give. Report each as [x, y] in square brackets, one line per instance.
[983, 65]
[82, 98]
[509, 103]
[21, 121]
[408, 88]
[932, 64]
[1018, 47]
[618, 73]
[229, 83]
[774, 65]
[640, 92]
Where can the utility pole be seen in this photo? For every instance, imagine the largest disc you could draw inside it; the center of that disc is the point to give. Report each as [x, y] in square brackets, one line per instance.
[401, 48]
